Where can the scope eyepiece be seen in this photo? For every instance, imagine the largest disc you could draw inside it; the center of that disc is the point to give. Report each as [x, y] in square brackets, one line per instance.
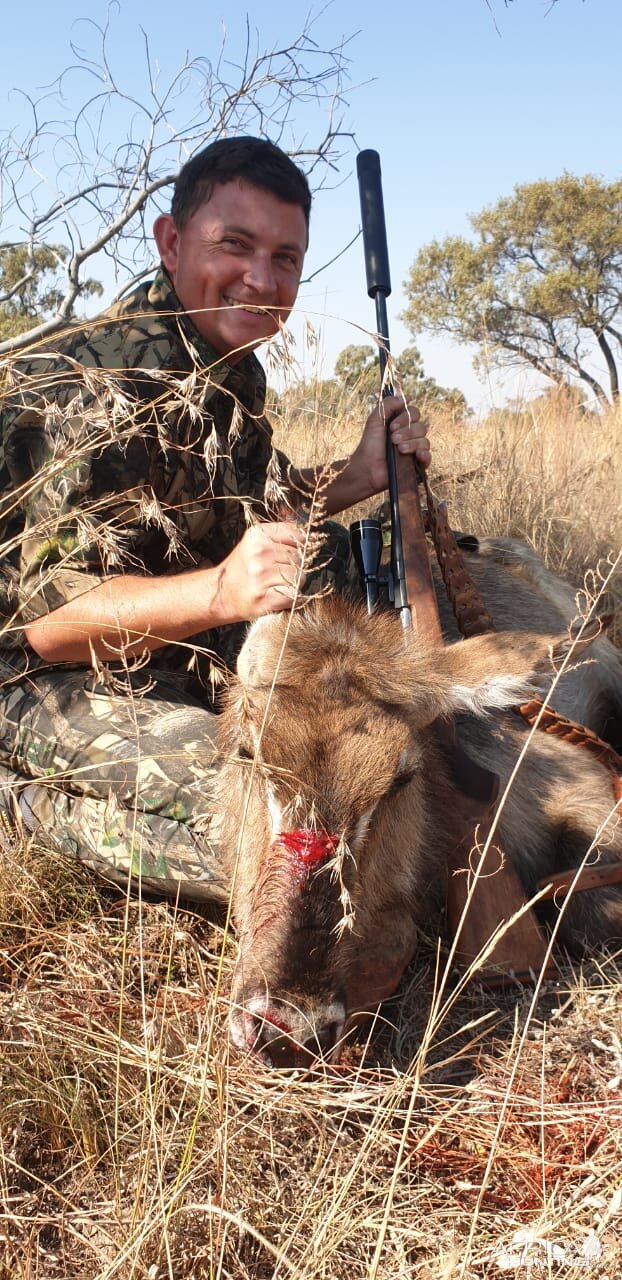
[366, 539]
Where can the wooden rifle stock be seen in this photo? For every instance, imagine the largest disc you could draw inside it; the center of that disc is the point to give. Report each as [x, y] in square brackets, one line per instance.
[475, 909]
[419, 582]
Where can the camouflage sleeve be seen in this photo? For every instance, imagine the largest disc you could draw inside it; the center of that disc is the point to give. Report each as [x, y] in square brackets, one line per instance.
[106, 466]
[65, 533]
[287, 489]
[55, 557]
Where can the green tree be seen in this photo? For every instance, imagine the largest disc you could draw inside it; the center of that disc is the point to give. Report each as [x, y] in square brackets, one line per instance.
[357, 368]
[29, 288]
[541, 283]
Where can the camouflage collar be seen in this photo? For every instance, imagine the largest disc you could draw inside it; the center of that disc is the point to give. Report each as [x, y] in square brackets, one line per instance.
[246, 372]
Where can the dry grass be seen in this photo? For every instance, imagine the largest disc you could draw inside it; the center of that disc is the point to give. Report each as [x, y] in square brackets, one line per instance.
[133, 1146]
[544, 471]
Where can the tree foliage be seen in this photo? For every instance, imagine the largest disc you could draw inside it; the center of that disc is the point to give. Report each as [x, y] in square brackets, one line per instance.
[75, 180]
[357, 369]
[30, 289]
[541, 283]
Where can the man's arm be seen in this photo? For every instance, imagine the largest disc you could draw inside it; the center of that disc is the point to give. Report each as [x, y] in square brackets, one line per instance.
[129, 614]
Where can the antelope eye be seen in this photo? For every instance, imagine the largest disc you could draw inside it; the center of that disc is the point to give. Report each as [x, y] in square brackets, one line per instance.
[402, 779]
[245, 754]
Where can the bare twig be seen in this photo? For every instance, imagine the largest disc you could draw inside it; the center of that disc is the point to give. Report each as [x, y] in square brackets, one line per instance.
[64, 179]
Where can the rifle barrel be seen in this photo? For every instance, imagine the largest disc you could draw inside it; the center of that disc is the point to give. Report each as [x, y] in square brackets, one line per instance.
[379, 287]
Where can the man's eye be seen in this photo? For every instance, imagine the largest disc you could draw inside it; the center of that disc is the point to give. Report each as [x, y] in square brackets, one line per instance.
[288, 260]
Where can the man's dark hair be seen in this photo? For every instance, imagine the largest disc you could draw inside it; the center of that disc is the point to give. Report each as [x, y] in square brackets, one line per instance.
[256, 160]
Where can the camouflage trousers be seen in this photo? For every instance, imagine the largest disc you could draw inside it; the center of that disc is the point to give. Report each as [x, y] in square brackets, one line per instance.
[120, 774]
[121, 778]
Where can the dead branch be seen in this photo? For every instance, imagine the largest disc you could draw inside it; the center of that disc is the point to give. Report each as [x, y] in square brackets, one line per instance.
[66, 179]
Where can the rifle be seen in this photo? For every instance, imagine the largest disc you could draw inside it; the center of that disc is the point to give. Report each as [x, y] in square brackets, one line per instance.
[409, 586]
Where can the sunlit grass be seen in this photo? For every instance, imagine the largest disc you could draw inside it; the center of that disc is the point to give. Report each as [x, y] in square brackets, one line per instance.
[127, 1150]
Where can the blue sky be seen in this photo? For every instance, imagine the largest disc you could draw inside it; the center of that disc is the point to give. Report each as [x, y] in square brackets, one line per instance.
[462, 99]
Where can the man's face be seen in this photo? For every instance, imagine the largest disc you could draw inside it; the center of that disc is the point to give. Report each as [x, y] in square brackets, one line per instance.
[242, 250]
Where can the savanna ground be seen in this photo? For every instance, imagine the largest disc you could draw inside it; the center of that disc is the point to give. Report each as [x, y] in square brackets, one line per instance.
[480, 1140]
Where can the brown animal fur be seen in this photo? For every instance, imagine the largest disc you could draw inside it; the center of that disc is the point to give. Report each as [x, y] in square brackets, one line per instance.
[328, 728]
[523, 595]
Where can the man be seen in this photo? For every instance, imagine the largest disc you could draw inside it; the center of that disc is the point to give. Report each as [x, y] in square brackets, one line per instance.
[148, 518]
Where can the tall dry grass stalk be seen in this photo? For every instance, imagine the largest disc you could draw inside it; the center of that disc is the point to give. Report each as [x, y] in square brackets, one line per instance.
[483, 1142]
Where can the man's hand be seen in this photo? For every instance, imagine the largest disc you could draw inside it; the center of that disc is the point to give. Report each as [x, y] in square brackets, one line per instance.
[130, 614]
[408, 431]
[364, 474]
[262, 573]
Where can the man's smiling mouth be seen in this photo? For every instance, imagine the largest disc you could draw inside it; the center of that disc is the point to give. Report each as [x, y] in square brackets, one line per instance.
[242, 306]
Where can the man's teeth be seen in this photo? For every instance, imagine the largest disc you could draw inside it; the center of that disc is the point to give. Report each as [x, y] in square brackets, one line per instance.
[255, 311]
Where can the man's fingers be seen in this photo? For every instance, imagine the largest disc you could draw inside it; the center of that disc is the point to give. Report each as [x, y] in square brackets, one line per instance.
[409, 434]
[284, 531]
[396, 409]
[284, 593]
[277, 553]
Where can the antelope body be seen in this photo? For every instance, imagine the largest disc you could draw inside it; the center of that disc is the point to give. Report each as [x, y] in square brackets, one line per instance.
[337, 806]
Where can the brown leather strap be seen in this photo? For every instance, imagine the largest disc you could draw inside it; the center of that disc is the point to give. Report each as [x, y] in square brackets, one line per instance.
[597, 877]
[559, 726]
[469, 609]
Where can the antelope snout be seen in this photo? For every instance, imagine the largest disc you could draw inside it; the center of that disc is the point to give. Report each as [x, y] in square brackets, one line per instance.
[284, 1035]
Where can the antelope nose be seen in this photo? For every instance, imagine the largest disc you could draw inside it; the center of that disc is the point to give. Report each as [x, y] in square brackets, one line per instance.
[285, 1039]
[276, 1045]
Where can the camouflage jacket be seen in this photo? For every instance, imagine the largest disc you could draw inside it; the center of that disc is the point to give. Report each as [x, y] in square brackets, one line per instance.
[128, 447]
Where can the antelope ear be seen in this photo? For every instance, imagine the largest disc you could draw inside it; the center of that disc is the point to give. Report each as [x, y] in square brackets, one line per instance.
[256, 664]
[580, 636]
[496, 671]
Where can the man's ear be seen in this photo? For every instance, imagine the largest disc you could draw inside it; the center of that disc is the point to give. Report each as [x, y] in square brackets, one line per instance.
[166, 236]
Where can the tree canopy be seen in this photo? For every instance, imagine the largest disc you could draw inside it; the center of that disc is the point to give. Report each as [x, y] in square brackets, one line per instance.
[357, 369]
[29, 285]
[540, 284]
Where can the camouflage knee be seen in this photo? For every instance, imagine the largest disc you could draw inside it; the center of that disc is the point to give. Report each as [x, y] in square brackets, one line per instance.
[124, 847]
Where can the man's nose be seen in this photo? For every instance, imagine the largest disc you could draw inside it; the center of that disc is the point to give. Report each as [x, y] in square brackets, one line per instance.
[260, 272]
